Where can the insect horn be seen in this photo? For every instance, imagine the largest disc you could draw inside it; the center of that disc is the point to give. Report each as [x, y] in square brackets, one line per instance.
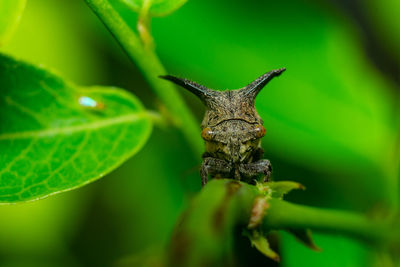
[201, 91]
[255, 87]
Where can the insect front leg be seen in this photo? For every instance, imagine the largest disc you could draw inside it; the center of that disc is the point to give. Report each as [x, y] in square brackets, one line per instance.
[213, 166]
[253, 169]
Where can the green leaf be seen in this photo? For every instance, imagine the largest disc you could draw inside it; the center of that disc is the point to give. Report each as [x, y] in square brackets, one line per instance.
[281, 188]
[261, 243]
[278, 189]
[156, 7]
[10, 15]
[55, 136]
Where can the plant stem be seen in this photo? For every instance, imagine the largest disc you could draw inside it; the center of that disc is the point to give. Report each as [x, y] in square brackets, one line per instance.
[151, 68]
[205, 232]
[143, 26]
[282, 214]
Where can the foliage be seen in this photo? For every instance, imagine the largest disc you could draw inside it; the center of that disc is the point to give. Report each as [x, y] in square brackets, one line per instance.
[54, 134]
[333, 117]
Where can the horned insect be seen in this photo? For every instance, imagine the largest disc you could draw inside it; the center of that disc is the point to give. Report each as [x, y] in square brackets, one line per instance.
[232, 130]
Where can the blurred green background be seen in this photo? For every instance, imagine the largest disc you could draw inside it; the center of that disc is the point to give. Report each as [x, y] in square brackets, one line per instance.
[332, 121]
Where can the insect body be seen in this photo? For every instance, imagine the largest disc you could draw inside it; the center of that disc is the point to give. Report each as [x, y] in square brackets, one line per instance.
[232, 130]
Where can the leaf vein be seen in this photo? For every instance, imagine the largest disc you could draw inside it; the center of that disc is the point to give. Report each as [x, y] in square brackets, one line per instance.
[66, 130]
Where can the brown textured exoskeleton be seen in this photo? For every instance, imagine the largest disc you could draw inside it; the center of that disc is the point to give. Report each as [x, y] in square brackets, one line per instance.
[232, 130]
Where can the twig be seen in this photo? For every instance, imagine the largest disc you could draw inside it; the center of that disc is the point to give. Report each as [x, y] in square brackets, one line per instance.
[151, 68]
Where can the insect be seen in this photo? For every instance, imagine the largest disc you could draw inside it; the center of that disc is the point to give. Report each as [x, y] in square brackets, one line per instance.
[232, 130]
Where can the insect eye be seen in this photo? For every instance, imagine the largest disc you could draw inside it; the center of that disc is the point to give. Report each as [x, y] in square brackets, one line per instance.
[207, 134]
[260, 131]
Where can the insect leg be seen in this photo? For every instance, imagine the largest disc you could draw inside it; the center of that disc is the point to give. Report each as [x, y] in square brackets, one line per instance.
[212, 166]
[253, 169]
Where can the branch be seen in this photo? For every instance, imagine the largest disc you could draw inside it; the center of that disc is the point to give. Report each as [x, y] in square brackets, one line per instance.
[205, 232]
[151, 67]
[282, 215]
